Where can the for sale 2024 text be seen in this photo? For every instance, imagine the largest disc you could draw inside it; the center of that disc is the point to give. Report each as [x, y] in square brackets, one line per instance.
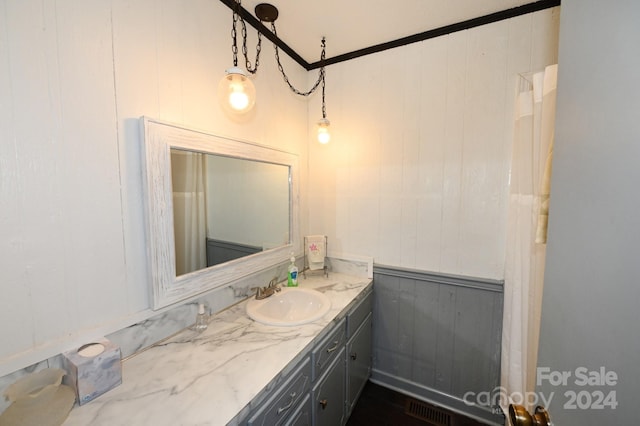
[596, 391]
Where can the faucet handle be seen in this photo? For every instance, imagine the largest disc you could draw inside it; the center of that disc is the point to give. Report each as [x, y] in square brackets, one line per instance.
[274, 283]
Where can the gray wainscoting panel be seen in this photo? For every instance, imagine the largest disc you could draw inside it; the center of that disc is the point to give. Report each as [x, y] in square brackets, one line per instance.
[219, 251]
[438, 337]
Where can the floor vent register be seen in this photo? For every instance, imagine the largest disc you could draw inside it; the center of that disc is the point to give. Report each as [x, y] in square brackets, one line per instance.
[429, 413]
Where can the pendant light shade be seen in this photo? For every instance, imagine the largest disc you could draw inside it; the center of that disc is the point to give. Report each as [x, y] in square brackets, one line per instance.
[323, 131]
[236, 91]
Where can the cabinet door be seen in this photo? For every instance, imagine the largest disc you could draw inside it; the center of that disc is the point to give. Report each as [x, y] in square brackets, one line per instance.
[329, 395]
[358, 362]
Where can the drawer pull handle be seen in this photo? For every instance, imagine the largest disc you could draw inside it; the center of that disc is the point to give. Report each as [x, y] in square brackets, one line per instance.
[354, 356]
[334, 347]
[323, 403]
[286, 407]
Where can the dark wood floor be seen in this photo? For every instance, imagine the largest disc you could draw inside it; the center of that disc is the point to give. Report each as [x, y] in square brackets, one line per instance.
[379, 406]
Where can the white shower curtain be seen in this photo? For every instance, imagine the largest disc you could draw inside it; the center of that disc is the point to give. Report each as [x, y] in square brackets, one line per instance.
[189, 212]
[526, 235]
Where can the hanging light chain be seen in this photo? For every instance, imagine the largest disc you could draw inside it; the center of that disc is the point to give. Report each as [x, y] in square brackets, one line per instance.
[234, 49]
[324, 107]
[244, 49]
[284, 75]
[234, 35]
[234, 43]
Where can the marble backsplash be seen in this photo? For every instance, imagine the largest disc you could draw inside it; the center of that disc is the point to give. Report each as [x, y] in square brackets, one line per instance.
[142, 335]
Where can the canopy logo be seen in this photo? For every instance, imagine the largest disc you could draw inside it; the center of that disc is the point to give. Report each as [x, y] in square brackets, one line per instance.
[586, 390]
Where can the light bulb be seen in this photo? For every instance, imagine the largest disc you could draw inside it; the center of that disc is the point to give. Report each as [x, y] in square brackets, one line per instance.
[236, 91]
[238, 100]
[323, 131]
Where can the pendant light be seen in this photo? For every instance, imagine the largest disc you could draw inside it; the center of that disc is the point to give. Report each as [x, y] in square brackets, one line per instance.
[323, 125]
[323, 131]
[323, 134]
[236, 91]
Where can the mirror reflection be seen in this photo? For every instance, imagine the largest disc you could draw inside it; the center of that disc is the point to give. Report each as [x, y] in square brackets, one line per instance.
[225, 208]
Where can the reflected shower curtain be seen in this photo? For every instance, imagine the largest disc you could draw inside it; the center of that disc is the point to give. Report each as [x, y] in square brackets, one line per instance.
[526, 235]
[189, 213]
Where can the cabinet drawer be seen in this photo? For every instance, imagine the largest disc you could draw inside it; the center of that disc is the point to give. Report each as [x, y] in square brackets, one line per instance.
[358, 314]
[327, 350]
[278, 408]
[302, 416]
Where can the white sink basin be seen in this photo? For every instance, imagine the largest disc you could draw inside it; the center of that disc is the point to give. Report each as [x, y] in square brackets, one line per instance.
[291, 306]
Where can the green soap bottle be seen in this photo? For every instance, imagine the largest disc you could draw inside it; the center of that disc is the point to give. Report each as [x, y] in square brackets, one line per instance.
[292, 276]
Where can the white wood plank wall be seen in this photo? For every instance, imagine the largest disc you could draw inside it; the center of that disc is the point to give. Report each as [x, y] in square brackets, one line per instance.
[75, 76]
[416, 174]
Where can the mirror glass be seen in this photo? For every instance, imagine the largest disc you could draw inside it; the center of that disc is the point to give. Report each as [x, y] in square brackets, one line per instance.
[226, 208]
[216, 209]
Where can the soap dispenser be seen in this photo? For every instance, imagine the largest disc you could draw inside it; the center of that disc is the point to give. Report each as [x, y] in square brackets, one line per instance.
[201, 319]
[292, 276]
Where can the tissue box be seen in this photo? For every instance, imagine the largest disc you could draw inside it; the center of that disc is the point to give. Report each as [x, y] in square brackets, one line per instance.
[93, 369]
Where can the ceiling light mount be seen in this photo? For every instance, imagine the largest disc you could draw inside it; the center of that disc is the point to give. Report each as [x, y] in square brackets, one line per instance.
[266, 12]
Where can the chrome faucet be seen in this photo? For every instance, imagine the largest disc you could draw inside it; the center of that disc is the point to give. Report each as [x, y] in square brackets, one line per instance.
[264, 292]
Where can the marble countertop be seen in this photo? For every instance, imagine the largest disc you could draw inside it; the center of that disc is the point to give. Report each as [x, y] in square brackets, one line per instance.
[211, 378]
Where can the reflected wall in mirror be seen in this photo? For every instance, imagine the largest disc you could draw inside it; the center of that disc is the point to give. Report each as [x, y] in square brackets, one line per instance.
[216, 209]
[225, 208]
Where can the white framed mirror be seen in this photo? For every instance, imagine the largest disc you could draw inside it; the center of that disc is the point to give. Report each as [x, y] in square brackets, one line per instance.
[216, 209]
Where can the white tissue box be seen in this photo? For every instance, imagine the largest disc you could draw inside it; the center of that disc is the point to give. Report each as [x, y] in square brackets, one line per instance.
[93, 369]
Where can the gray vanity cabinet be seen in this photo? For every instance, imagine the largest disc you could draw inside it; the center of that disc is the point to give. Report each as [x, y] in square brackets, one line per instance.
[348, 373]
[323, 389]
